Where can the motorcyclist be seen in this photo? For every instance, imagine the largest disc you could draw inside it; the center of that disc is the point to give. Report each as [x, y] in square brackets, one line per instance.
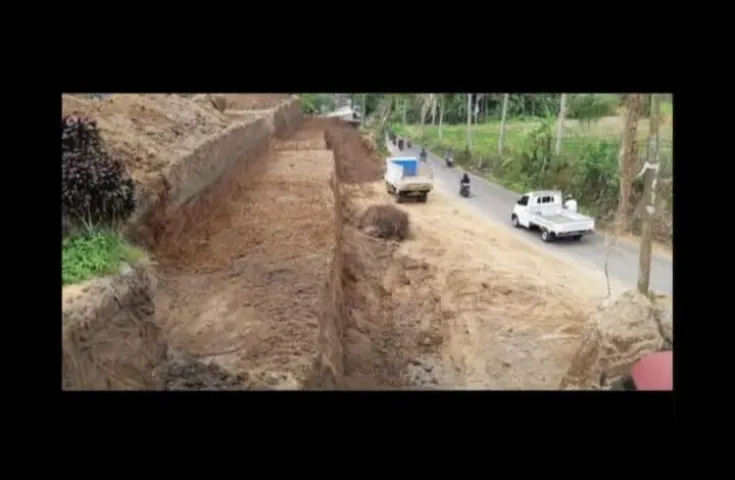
[465, 180]
[448, 154]
[423, 154]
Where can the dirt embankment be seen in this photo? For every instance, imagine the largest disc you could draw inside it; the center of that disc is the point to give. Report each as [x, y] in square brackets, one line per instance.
[174, 148]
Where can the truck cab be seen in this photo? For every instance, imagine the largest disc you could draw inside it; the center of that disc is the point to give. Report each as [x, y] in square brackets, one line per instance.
[544, 210]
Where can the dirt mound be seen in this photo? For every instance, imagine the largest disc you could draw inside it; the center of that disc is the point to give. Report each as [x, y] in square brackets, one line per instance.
[622, 331]
[110, 338]
[253, 101]
[355, 162]
[370, 143]
[385, 221]
[148, 132]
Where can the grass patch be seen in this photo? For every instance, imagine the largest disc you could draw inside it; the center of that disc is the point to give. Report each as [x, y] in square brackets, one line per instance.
[93, 253]
[485, 135]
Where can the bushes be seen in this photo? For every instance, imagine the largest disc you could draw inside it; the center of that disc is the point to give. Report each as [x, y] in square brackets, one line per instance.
[96, 194]
[95, 187]
[92, 253]
[590, 107]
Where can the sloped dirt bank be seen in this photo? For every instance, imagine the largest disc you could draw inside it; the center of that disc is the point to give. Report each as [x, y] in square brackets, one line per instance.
[110, 337]
[384, 342]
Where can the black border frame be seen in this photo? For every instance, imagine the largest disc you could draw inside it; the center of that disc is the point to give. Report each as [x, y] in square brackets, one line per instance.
[406, 407]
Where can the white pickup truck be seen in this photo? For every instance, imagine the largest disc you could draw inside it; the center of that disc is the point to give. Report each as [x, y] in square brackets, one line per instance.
[408, 177]
[544, 210]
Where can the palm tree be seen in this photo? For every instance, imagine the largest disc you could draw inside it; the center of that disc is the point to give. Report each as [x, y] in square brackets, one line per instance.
[501, 136]
[469, 122]
[560, 123]
[442, 99]
[628, 159]
[427, 102]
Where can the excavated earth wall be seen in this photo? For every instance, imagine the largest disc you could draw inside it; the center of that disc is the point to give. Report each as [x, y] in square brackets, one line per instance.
[110, 339]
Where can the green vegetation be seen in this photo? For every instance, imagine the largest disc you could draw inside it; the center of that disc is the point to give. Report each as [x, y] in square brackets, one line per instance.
[92, 253]
[96, 193]
[316, 103]
[586, 167]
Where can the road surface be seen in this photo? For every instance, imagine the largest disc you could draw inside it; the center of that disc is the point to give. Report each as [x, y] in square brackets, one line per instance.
[496, 203]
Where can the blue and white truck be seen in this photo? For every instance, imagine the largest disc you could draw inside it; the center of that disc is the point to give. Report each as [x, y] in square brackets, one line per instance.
[408, 177]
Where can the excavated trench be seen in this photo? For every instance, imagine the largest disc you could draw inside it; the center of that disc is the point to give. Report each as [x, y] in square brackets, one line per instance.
[264, 281]
[260, 277]
[248, 270]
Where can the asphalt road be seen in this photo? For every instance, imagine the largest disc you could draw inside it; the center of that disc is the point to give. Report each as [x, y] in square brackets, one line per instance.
[496, 203]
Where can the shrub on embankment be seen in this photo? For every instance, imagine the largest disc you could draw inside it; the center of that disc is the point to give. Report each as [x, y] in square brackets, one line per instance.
[586, 168]
[97, 195]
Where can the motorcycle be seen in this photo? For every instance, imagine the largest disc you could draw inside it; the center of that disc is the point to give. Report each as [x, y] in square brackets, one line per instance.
[422, 156]
[464, 190]
[449, 161]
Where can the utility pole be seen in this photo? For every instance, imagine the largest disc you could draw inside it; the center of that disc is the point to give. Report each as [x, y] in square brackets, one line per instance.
[650, 171]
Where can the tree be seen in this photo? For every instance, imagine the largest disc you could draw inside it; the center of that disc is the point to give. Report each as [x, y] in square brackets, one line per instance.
[628, 159]
[650, 171]
[433, 108]
[469, 122]
[501, 135]
[426, 101]
[560, 123]
[441, 114]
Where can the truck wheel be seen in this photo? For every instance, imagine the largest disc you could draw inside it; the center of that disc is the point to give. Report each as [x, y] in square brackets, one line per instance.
[546, 236]
[514, 219]
[400, 197]
[577, 237]
[389, 188]
[423, 197]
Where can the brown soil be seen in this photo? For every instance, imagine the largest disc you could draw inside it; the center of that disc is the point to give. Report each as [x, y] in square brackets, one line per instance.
[253, 101]
[243, 267]
[461, 304]
[151, 132]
